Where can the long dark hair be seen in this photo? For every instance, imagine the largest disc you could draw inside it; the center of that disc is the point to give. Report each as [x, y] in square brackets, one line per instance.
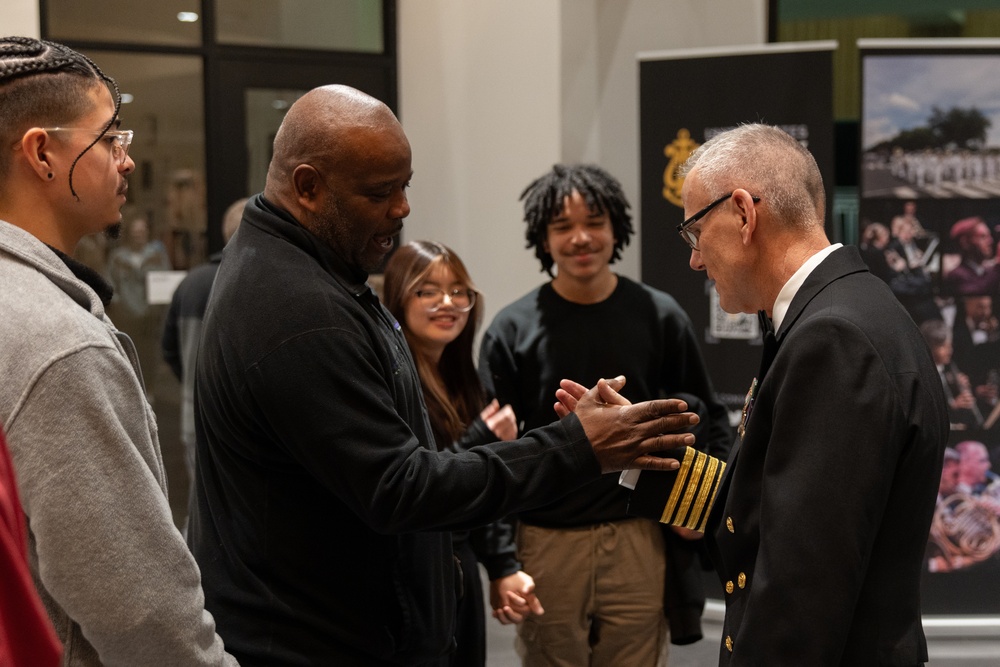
[452, 389]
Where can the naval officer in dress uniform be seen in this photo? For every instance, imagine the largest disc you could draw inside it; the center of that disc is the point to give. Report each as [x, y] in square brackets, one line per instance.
[818, 521]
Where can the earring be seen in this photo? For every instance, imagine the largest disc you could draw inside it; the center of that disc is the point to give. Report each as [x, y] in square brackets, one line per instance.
[50, 175]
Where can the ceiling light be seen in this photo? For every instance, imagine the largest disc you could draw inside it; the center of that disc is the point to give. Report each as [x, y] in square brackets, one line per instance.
[187, 17]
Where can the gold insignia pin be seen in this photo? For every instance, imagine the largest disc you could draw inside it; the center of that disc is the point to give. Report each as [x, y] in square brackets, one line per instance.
[747, 407]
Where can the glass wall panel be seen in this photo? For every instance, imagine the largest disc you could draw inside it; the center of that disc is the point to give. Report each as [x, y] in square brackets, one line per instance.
[163, 103]
[336, 25]
[266, 108]
[164, 223]
[163, 22]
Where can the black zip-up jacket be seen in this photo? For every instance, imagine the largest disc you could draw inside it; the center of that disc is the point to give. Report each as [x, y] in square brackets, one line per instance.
[323, 510]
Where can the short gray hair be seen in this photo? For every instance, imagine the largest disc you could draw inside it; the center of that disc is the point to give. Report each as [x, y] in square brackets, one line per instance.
[768, 163]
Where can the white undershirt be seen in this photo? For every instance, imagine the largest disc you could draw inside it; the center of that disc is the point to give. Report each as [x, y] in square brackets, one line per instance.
[791, 288]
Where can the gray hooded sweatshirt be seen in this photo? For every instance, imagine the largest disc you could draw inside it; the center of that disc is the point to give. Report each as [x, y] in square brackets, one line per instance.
[116, 577]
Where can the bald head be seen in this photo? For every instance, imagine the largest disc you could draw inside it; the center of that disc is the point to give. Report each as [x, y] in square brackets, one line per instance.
[341, 166]
[322, 129]
[767, 162]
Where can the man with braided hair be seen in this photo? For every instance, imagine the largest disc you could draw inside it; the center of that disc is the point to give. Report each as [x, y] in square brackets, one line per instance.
[600, 575]
[114, 573]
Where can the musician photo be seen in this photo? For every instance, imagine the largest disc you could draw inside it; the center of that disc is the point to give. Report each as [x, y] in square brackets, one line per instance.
[966, 527]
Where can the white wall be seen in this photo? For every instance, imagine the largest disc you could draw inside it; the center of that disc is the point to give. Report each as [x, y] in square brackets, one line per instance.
[20, 17]
[478, 98]
[493, 92]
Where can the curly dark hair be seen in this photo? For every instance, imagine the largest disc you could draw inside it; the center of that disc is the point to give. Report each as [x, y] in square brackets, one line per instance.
[543, 200]
[27, 98]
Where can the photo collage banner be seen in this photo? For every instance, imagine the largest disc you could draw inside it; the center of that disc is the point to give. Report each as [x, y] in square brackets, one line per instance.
[929, 222]
[929, 218]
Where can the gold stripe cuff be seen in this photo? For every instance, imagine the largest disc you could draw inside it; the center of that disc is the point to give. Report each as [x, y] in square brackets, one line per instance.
[715, 491]
[679, 481]
[692, 487]
[694, 491]
[699, 506]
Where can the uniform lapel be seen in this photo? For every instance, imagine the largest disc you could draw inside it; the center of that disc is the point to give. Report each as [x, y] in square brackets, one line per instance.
[841, 262]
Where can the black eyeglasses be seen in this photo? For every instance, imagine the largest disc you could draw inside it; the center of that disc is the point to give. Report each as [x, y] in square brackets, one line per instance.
[689, 235]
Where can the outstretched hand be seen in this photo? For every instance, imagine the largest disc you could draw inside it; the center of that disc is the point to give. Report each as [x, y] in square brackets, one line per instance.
[624, 435]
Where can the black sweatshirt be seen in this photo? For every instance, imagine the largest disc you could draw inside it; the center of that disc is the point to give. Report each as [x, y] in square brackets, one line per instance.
[322, 512]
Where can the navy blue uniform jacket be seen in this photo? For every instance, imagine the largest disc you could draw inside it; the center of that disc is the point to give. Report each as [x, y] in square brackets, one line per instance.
[820, 522]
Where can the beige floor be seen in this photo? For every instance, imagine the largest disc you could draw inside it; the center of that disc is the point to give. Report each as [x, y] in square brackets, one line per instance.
[947, 648]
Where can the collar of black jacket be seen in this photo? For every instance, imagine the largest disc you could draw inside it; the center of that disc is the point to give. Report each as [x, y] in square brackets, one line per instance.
[275, 220]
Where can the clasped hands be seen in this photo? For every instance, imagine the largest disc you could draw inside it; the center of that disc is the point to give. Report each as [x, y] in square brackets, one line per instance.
[626, 435]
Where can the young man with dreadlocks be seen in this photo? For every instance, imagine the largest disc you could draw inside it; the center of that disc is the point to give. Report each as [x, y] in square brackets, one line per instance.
[601, 576]
[114, 573]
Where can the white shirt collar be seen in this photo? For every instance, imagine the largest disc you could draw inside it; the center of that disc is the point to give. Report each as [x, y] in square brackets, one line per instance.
[790, 289]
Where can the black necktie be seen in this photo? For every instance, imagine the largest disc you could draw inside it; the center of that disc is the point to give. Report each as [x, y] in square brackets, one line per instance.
[766, 325]
[770, 344]
[770, 349]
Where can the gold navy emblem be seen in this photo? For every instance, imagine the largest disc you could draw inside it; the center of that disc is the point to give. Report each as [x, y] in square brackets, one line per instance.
[678, 151]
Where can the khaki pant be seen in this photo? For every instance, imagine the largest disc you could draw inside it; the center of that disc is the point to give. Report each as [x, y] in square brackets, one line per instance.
[602, 590]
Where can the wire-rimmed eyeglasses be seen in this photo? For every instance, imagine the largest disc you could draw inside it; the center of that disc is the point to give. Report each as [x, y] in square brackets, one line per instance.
[120, 139]
[689, 235]
[432, 298]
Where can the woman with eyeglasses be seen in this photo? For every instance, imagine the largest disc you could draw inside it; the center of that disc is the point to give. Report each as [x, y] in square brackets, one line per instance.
[428, 290]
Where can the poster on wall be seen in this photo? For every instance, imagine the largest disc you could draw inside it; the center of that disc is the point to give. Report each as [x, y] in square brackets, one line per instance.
[685, 98]
[929, 221]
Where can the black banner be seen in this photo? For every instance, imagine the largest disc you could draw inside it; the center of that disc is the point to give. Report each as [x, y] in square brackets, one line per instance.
[685, 98]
